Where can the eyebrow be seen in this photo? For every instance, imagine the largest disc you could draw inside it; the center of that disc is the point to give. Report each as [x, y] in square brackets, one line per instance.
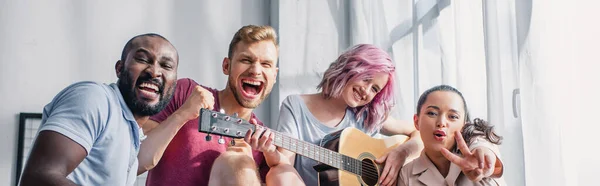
[166, 58]
[433, 107]
[143, 50]
[244, 55]
[253, 57]
[438, 108]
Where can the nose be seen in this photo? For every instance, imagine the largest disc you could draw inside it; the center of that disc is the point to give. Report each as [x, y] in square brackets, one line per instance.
[442, 122]
[154, 70]
[255, 69]
[364, 93]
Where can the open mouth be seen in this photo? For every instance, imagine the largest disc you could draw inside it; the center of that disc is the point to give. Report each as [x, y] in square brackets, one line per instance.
[149, 90]
[251, 88]
[357, 95]
[439, 135]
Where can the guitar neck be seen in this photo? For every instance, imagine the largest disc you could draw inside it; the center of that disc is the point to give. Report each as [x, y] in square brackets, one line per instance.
[212, 122]
[318, 153]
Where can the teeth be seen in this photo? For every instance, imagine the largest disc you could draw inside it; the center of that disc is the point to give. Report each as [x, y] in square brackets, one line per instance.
[150, 86]
[255, 83]
[357, 96]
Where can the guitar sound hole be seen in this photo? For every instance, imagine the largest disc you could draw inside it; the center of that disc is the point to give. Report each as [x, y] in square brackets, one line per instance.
[369, 174]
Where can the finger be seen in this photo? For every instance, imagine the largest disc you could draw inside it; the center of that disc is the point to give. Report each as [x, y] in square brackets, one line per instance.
[381, 159]
[265, 137]
[269, 143]
[209, 105]
[392, 175]
[489, 166]
[452, 157]
[480, 158]
[256, 137]
[478, 175]
[384, 173]
[462, 145]
[248, 136]
[253, 121]
[490, 159]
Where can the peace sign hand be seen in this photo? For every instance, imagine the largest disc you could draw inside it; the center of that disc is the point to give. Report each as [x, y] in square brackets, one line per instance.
[475, 165]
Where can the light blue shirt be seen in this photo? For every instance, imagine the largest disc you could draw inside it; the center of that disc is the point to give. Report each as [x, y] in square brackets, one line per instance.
[96, 117]
[295, 120]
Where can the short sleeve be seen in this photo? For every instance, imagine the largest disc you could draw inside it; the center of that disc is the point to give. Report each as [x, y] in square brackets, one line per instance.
[79, 112]
[287, 123]
[183, 89]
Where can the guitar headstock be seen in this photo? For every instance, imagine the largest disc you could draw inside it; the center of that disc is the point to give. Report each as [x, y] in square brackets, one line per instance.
[213, 122]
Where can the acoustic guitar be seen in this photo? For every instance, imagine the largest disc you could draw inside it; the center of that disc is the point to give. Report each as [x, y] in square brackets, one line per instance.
[346, 157]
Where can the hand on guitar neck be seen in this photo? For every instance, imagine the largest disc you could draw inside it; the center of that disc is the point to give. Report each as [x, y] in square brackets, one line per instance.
[350, 152]
[261, 140]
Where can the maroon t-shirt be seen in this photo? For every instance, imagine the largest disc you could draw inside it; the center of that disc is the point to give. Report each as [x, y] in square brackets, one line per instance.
[188, 159]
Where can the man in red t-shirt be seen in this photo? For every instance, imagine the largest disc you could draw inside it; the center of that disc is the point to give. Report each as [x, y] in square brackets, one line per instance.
[187, 158]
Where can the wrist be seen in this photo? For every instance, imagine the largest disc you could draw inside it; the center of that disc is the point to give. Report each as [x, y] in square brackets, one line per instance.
[180, 117]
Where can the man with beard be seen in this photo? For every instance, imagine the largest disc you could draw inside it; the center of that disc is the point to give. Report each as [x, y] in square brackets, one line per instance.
[190, 160]
[90, 133]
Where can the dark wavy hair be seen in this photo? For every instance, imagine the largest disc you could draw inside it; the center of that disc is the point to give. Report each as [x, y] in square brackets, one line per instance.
[470, 130]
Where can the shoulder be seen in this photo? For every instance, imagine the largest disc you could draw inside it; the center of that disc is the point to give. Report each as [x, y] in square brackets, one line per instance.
[293, 103]
[186, 85]
[297, 100]
[291, 99]
[85, 93]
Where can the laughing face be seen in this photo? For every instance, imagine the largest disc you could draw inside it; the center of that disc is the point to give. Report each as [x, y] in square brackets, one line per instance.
[148, 75]
[252, 71]
[359, 92]
[441, 115]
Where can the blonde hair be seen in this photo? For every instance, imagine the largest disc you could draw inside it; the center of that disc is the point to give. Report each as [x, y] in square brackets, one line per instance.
[252, 34]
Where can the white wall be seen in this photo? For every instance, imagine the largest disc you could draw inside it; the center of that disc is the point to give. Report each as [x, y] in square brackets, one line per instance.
[47, 45]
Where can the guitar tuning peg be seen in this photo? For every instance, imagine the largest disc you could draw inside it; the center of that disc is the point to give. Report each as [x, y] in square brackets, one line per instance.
[232, 142]
[222, 111]
[221, 140]
[208, 137]
[235, 114]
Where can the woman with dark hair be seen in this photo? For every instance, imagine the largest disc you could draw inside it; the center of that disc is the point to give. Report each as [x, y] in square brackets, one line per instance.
[443, 121]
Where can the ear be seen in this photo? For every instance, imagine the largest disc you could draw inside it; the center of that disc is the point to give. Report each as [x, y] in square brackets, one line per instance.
[416, 120]
[225, 65]
[118, 68]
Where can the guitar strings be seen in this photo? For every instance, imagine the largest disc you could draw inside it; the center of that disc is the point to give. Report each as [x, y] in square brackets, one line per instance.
[368, 171]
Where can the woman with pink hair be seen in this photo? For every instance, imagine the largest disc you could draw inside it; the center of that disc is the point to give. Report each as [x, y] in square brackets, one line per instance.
[357, 90]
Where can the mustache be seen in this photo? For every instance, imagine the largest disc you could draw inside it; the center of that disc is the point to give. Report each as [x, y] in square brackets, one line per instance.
[156, 81]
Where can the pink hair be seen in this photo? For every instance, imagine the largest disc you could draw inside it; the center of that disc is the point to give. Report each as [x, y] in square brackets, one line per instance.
[360, 62]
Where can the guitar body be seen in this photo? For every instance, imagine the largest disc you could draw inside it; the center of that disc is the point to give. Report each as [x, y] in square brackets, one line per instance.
[350, 150]
[356, 144]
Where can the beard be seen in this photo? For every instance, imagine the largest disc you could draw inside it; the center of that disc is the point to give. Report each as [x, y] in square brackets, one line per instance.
[246, 103]
[140, 107]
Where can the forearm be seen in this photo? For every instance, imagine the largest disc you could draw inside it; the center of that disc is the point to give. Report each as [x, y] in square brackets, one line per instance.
[157, 140]
[413, 146]
[47, 178]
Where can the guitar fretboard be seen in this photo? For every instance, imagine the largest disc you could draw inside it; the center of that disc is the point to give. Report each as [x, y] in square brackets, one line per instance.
[318, 153]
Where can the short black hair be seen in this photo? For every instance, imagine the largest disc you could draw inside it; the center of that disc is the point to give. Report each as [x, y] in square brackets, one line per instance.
[129, 43]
